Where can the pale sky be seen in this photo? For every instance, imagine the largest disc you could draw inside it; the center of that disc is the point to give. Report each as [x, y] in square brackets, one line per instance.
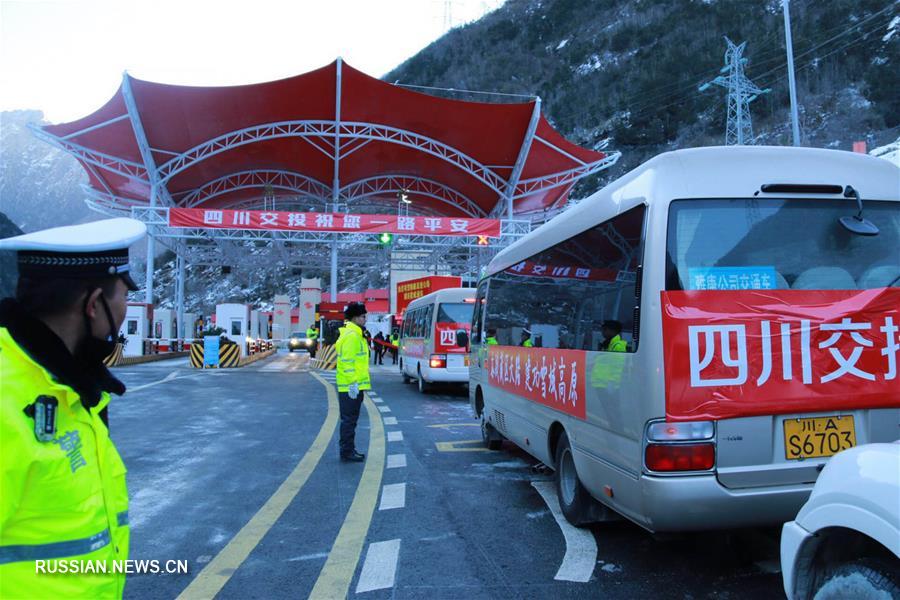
[66, 57]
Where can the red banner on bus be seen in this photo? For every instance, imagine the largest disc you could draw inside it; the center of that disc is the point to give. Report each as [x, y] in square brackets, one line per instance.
[548, 376]
[764, 352]
[331, 222]
[445, 337]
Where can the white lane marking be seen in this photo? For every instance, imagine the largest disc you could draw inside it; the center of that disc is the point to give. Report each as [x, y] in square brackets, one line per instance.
[393, 495]
[169, 377]
[203, 558]
[581, 547]
[395, 436]
[376, 399]
[390, 420]
[384, 409]
[308, 557]
[380, 567]
[395, 461]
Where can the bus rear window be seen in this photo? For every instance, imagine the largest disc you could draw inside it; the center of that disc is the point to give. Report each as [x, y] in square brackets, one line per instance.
[455, 312]
[780, 244]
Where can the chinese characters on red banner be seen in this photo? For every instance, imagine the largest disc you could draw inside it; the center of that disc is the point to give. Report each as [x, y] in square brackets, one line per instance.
[744, 353]
[531, 269]
[551, 377]
[331, 222]
[445, 337]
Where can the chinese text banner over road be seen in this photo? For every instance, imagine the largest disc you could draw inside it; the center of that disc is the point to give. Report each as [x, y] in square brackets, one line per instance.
[331, 222]
[746, 352]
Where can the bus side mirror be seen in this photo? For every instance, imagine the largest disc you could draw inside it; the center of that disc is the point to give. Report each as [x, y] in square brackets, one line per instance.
[462, 339]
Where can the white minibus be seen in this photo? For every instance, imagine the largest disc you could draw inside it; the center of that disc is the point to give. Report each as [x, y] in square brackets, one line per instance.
[687, 346]
[429, 352]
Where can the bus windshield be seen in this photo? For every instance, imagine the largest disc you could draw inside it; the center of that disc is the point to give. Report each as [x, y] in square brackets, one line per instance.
[455, 312]
[780, 244]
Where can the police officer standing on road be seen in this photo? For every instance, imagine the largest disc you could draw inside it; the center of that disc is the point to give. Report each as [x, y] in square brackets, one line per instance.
[62, 483]
[352, 377]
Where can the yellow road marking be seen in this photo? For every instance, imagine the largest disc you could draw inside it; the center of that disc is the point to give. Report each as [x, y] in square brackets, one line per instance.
[461, 446]
[334, 579]
[216, 574]
[452, 425]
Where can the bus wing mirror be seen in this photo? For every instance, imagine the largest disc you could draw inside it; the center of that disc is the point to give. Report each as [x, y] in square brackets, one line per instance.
[462, 339]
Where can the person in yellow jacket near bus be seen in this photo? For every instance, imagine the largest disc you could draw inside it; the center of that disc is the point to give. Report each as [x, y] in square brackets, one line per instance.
[526, 339]
[63, 498]
[352, 377]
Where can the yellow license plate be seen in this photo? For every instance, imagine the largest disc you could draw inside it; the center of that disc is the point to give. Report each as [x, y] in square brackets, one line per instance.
[466, 362]
[818, 436]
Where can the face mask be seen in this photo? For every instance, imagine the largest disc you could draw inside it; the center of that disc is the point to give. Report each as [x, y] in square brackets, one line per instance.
[94, 350]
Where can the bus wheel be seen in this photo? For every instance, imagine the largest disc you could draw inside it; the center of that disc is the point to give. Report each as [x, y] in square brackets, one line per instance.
[424, 386]
[406, 378]
[492, 440]
[574, 499]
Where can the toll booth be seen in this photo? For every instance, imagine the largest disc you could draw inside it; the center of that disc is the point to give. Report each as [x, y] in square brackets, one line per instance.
[281, 317]
[164, 328]
[235, 320]
[190, 330]
[310, 295]
[136, 327]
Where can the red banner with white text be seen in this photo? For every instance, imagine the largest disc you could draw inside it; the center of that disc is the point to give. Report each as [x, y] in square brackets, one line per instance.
[331, 222]
[764, 352]
[547, 376]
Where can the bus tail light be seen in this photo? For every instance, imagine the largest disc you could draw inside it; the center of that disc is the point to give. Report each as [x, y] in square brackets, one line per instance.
[438, 361]
[680, 457]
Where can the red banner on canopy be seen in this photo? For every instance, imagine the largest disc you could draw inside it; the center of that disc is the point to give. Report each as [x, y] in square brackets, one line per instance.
[332, 222]
[765, 352]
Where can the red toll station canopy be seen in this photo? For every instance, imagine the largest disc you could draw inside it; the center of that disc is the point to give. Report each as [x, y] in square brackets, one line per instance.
[333, 136]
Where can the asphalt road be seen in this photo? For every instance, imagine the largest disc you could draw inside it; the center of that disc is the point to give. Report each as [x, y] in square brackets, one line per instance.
[237, 472]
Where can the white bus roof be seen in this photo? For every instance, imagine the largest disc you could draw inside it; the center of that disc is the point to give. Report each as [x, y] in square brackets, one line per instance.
[444, 295]
[714, 172]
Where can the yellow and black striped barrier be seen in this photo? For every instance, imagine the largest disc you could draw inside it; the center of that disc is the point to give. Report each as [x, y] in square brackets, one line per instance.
[229, 356]
[118, 358]
[326, 358]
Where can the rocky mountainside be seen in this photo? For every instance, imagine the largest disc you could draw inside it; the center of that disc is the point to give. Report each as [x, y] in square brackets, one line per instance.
[40, 186]
[624, 74]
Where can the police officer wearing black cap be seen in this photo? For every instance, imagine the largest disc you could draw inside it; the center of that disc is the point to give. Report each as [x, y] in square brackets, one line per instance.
[62, 483]
[352, 377]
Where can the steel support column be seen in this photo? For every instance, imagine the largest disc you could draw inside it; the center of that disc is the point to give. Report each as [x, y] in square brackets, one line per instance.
[179, 296]
[151, 252]
[334, 275]
[336, 183]
[523, 156]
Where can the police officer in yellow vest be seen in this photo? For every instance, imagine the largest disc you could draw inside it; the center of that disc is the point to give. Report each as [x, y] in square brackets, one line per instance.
[312, 333]
[612, 340]
[352, 377]
[63, 497]
[526, 339]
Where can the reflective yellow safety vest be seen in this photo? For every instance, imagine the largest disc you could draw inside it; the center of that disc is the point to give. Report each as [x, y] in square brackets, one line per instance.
[62, 500]
[617, 344]
[352, 358]
[528, 343]
[492, 341]
[312, 333]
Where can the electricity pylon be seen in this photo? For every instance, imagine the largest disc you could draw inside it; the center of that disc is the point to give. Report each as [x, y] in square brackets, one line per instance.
[741, 92]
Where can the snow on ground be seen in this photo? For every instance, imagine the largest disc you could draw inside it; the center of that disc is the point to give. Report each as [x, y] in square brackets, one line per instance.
[889, 152]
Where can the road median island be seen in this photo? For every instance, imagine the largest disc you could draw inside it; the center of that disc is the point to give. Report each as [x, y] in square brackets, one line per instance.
[217, 572]
[229, 356]
[118, 359]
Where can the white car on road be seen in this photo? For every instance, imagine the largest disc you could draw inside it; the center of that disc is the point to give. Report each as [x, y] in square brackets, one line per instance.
[845, 541]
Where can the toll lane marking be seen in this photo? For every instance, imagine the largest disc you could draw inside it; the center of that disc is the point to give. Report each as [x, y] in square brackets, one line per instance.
[335, 577]
[461, 446]
[216, 574]
[581, 547]
[395, 436]
[393, 496]
[169, 377]
[390, 420]
[396, 461]
[380, 567]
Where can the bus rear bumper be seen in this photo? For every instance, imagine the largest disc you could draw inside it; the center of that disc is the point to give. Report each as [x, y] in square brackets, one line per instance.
[695, 503]
[433, 375]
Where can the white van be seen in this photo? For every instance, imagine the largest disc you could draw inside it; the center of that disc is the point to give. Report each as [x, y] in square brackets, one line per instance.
[704, 333]
[429, 352]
